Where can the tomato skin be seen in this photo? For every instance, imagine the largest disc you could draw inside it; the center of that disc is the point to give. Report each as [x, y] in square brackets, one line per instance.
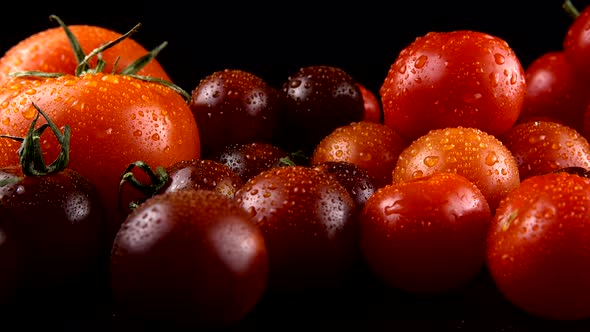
[373, 112]
[458, 78]
[32, 52]
[426, 235]
[188, 257]
[537, 247]
[115, 120]
[555, 91]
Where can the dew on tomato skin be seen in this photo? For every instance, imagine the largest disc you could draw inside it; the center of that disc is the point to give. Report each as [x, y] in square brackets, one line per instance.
[20, 189]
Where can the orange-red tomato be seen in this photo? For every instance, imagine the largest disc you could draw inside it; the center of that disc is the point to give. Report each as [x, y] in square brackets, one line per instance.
[475, 154]
[50, 51]
[115, 120]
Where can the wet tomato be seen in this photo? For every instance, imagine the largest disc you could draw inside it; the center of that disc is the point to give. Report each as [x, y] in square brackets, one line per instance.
[426, 235]
[188, 258]
[537, 247]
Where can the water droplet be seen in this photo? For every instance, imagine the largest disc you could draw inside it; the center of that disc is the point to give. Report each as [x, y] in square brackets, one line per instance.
[421, 61]
[491, 158]
[499, 58]
[431, 161]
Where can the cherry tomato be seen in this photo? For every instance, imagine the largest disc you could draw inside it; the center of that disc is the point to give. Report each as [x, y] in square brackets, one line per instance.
[543, 146]
[576, 43]
[370, 145]
[555, 91]
[188, 258]
[426, 235]
[537, 248]
[457, 78]
[480, 157]
[309, 224]
[373, 112]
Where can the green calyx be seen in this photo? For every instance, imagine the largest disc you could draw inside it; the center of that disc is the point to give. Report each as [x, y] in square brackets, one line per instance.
[83, 59]
[158, 179]
[30, 153]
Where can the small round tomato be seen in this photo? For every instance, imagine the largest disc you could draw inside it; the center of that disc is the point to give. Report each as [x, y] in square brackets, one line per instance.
[537, 248]
[188, 257]
[480, 157]
[370, 145]
[373, 112]
[448, 79]
[544, 146]
[426, 235]
[576, 43]
[309, 224]
[554, 85]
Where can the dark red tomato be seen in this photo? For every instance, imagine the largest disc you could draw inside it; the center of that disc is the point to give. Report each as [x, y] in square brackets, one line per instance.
[234, 106]
[480, 157]
[370, 145]
[426, 235]
[309, 224]
[58, 224]
[537, 247]
[249, 159]
[359, 183]
[188, 257]
[318, 99]
[448, 79]
[373, 112]
[576, 43]
[203, 174]
[544, 146]
[555, 91]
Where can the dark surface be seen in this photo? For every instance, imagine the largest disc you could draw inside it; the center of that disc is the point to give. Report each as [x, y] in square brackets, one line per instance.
[273, 40]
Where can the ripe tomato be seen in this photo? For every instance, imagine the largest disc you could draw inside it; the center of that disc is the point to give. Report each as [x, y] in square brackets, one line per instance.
[480, 157]
[555, 91]
[373, 112]
[576, 43]
[448, 79]
[188, 257]
[115, 120]
[309, 224]
[543, 146]
[426, 235]
[34, 54]
[537, 248]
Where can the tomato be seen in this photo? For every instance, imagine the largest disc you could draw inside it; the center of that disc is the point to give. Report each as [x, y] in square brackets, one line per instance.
[537, 248]
[115, 120]
[457, 78]
[318, 100]
[576, 43]
[33, 53]
[480, 157]
[370, 145]
[544, 146]
[555, 91]
[373, 112]
[188, 258]
[234, 106]
[309, 223]
[426, 235]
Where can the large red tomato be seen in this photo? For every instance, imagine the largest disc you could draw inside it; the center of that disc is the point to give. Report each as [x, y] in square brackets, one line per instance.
[34, 53]
[115, 120]
[448, 79]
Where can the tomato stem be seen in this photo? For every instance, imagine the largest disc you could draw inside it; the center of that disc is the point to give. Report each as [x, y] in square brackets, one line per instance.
[158, 180]
[570, 9]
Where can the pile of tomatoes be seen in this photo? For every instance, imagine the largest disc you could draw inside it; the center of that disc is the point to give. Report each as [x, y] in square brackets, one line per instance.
[196, 208]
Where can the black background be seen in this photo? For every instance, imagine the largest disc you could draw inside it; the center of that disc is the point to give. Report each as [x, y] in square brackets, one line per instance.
[273, 40]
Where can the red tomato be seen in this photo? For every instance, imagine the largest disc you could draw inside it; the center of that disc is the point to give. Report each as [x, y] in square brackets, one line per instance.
[576, 43]
[115, 120]
[426, 235]
[373, 112]
[448, 79]
[537, 248]
[555, 91]
[33, 52]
